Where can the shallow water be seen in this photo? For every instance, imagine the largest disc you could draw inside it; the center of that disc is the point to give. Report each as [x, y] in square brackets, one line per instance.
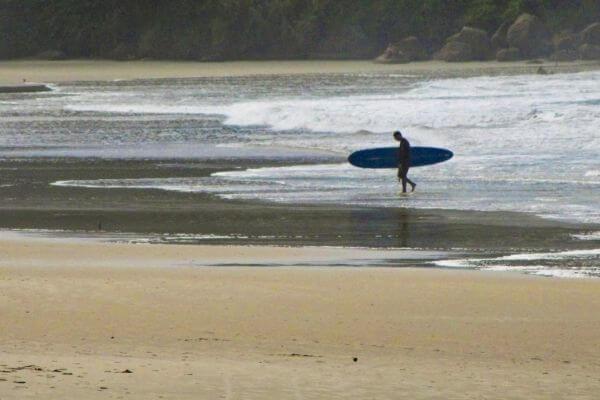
[521, 143]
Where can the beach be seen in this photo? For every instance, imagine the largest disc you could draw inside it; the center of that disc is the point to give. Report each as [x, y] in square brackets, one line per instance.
[192, 230]
[14, 72]
[77, 315]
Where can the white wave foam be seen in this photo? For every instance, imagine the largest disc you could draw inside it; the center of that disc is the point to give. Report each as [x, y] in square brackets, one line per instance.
[587, 236]
[571, 264]
[521, 143]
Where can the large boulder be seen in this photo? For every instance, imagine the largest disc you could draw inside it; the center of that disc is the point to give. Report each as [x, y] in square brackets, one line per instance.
[589, 52]
[455, 51]
[530, 36]
[406, 50]
[565, 41]
[498, 40]
[393, 55]
[412, 47]
[591, 34]
[476, 39]
[510, 54]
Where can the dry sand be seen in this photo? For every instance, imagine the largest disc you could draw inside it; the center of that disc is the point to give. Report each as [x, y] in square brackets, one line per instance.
[76, 316]
[14, 72]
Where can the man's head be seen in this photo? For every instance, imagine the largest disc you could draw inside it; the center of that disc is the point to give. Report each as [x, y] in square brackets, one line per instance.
[398, 135]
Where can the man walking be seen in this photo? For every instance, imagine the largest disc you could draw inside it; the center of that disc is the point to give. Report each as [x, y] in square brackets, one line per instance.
[404, 161]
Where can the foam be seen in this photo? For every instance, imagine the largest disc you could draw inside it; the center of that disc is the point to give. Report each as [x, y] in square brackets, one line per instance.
[560, 264]
[521, 143]
[587, 236]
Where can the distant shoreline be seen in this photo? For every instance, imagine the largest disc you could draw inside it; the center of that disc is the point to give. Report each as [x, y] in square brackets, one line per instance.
[16, 71]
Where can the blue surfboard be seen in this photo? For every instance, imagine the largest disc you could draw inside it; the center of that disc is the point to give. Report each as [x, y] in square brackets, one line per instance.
[387, 157]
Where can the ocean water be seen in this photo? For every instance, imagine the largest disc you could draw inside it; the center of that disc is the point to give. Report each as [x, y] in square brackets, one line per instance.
[522, 143]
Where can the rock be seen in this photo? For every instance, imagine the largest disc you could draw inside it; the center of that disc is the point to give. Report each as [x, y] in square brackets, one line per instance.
[412, 47]
[564, 55]
[454, 52]
[510, 54]
[51, 55]
[530, 36]
[589, 52]
[476, 39]
[565, 41]
[407, 50]
[542, 71]
[499, 41]
[393, 55]
[591, 34]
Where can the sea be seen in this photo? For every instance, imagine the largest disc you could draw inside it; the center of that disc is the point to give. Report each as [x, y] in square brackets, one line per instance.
[522, 143]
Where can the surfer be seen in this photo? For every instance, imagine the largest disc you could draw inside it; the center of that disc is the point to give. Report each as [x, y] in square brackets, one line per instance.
[404, 161]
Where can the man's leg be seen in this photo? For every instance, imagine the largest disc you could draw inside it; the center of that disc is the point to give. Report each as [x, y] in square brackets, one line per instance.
[406, 179]
[402, 177]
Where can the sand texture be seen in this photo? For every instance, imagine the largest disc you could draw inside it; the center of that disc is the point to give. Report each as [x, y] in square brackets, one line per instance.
[91, 320]
[14, 72]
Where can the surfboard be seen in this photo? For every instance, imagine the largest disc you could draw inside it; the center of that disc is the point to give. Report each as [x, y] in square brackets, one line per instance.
[387, 157]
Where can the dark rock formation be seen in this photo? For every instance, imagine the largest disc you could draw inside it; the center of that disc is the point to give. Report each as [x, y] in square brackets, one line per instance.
[476, 39]
[412, 47]
[591, 34]
[530, 36]
[25, 88]
[393, 55]
[467, 45]
[589, 51]
[565, 41]
[455, 51]
[510, 54]
[407, 50]
[542, 71]
[499, 41]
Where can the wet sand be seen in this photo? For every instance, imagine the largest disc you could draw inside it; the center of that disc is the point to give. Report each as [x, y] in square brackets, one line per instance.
[28, 201]
[82, 319]
[14, 72]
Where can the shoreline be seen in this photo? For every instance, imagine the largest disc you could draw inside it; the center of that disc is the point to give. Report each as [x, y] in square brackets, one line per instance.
[39, 205]
[15, 71]
[73, 327]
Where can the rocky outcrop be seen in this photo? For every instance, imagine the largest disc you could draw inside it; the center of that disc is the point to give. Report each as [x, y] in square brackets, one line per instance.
[393, 55]
[530, 36]
[469, 44]
[591, 34]
[565, 46]
[412, 47]
[510, 54]
[454, 52]
[407, 50]
[589, 51]
[498, 40]
[565, 41]
[476, 39]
